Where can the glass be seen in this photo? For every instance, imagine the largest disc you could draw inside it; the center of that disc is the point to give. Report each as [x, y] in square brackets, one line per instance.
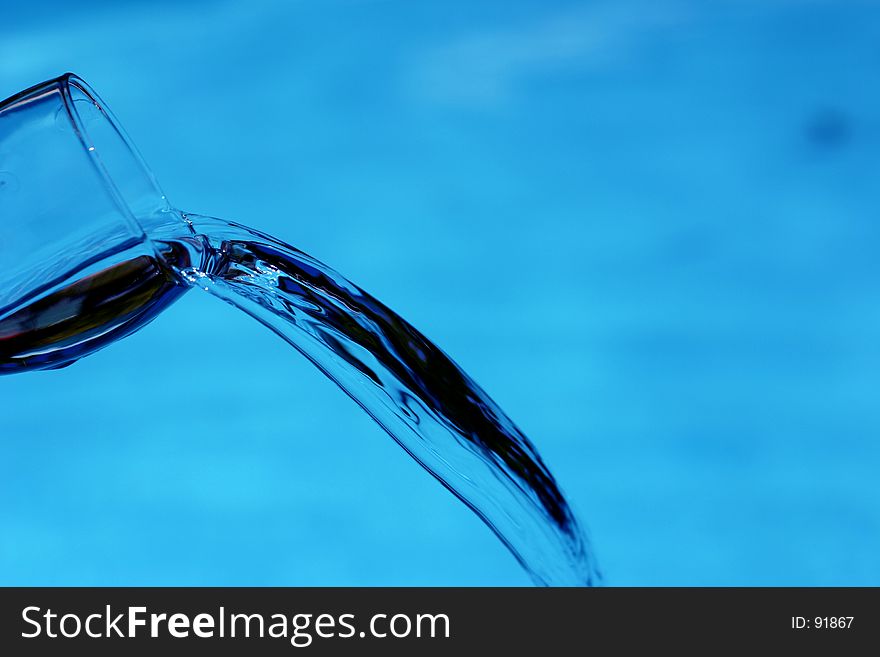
[75, 200]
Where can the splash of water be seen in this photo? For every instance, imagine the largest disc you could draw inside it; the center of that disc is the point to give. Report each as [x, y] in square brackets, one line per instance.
[433, 409]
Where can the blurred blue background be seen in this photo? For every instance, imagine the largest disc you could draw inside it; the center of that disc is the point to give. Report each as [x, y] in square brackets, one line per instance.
[649, 229]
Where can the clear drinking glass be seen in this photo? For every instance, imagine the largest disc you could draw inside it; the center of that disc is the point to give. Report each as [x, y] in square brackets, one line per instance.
[75, 201]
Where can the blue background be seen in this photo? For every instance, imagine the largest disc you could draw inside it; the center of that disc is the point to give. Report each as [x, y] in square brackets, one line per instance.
[649, 229]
